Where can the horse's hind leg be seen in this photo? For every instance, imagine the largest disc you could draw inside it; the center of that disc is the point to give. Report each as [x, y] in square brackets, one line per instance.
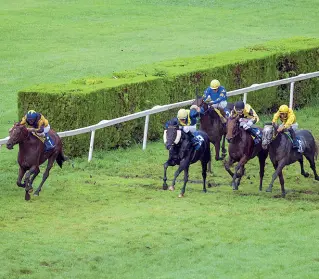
[312, 163]
[302, 170]
[262, 161]
[165, 177]
[204, 175]
[45, 175]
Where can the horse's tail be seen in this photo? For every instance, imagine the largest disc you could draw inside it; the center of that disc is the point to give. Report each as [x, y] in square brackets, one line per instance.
[61, 158]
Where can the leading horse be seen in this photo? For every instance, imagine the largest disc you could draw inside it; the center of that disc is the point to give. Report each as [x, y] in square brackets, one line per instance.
[31, 155]
[182, 153]
[282, 154]
[241, 149]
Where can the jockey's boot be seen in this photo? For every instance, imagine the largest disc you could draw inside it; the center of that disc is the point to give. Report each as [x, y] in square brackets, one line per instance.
[194, 140]
[255, 132]
[223, 118]
[227, 112]
[295, 143]
[48, 143]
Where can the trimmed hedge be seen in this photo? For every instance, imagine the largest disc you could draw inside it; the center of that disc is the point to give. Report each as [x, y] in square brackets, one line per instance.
[87, 101]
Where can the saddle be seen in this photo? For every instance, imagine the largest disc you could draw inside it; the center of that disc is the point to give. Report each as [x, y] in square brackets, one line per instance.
[299, 143]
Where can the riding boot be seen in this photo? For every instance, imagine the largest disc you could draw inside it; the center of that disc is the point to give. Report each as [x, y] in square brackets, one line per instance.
[227, 112]
[194, 140]
[295, 143]
[255, 132]
[49, 144]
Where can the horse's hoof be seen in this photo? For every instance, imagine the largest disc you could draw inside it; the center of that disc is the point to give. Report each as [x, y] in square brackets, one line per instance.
[204, 191]
[269, 190]
[36, 194]
[209, 185]
[306, 174]
[22, 185]
[30, 190]
[283, 195]
[165, 187]
[171, 188]
[317, 178]
[27, 196]
[181, 195]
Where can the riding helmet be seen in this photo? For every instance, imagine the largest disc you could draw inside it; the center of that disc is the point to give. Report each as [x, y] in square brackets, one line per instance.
[31, 115]
[240, 105]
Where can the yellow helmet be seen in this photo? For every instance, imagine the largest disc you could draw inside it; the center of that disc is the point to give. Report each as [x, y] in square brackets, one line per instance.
[214, 84]
[182, 114]
[283, 109]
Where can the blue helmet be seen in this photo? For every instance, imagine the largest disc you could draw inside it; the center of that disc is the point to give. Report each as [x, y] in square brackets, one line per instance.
[32, 115]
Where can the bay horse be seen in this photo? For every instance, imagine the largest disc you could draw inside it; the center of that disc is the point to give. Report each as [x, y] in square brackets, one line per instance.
[183, 154]
[282, 154]
[211, 123]
[31, 155]
[241, 149]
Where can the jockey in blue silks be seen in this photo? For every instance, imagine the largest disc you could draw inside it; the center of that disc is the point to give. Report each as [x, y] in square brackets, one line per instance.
[216, 96]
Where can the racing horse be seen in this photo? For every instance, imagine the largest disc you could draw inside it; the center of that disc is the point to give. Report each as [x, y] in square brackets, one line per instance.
[211, 123]
[32, 154]
[282, 154]
[183, 154]
[241, 149]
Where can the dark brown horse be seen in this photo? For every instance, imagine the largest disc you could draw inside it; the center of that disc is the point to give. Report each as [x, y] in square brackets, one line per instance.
[241, 149]
[31, 156]
[282, 154]
[211, 123]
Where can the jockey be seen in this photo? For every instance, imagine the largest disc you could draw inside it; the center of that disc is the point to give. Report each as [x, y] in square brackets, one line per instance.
[216, 96]
[248, 117]
[40, 126]
[187, 119]
[288, 120]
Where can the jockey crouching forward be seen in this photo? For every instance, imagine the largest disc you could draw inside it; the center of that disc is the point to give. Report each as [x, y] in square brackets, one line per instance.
[248, 117]
[40, 126]
[289, 122]
[216, 96]
[187, 119]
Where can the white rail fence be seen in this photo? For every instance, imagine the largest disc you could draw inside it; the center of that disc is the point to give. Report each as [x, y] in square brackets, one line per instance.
[146, 113]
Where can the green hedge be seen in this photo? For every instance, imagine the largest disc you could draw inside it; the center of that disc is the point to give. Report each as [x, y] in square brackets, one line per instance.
[87, 101]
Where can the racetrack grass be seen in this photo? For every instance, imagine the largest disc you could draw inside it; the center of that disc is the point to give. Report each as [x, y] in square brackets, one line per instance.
[57, 41]
[110, 219]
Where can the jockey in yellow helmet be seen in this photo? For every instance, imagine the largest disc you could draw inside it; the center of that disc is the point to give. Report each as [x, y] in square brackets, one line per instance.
[288, 121]
[38, 124]
[187, 119]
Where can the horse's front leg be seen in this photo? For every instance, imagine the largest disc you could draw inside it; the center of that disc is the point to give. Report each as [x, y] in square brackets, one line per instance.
[278, 168]
[183, 164]
[224, 151]
[228, 164]
[185, 181]
[165, 177]
[282, 184]
[262, 162]
[20, 176]
[45, 175]
[239, 172]
[35, 174]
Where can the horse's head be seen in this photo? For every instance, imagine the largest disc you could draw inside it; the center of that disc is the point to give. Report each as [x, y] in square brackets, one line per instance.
[172, 136]
[18, 133]
[268, 134]
[232, 128]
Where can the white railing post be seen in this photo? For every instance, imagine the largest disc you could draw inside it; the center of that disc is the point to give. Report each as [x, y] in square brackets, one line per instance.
[291, 97]
[91, 145]
[245, 98]
[147, 120]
